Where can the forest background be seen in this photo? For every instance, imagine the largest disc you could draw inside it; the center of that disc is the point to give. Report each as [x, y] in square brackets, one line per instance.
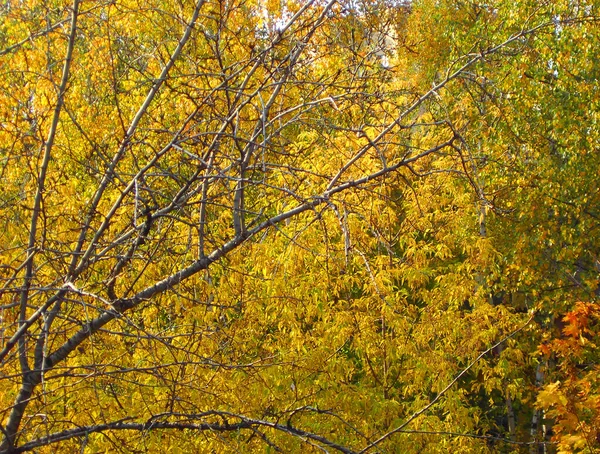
[303, 226]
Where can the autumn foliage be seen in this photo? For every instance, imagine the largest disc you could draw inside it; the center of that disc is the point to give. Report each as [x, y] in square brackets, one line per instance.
[574, 400]
[302, 226]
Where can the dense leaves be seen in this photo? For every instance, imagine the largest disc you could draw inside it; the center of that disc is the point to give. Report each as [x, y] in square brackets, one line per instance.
[251, 226]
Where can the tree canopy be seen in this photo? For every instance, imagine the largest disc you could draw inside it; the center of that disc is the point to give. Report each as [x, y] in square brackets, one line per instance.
[303, 226]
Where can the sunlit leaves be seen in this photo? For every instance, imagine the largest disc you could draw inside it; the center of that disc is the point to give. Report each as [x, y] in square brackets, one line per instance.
[430, 223]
